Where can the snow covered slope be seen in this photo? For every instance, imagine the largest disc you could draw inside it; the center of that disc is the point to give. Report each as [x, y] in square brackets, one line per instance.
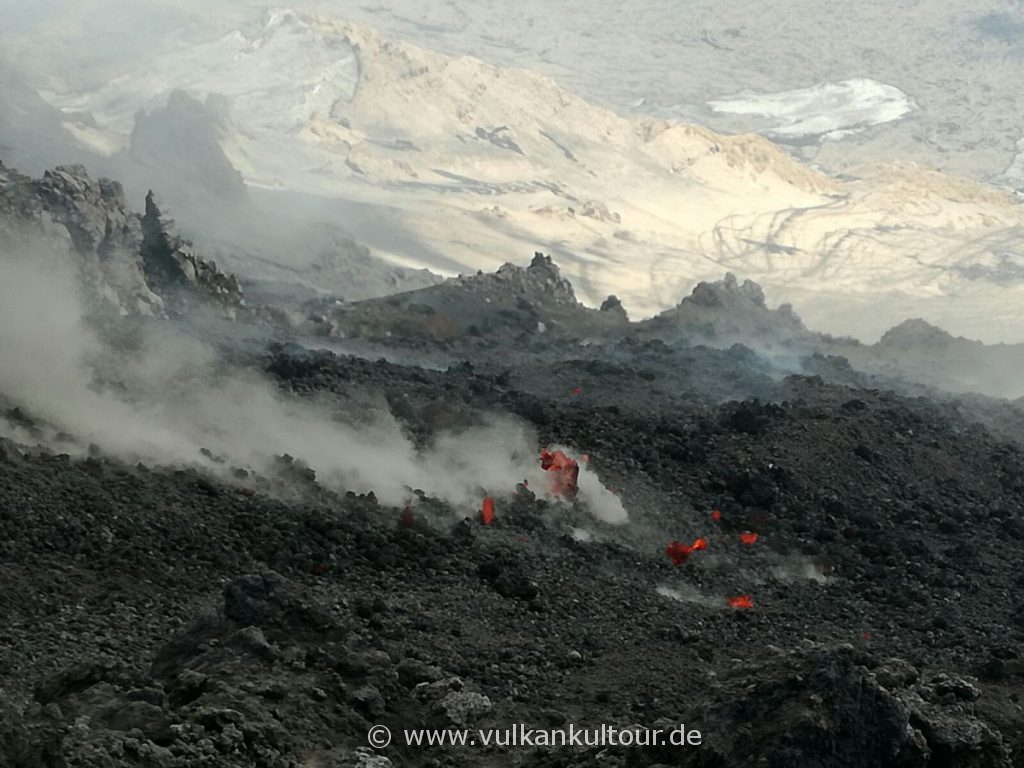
[959, 62]
[828, 110]
[275, 77]
[457, 165]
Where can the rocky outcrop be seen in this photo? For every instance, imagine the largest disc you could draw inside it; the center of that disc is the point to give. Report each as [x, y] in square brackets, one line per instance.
[174, 268]
[922, 352]
[94, 212]
[542, 279]
[132, 264]
[86, 223]
[917, 333]
[514, 302]
[613, 306]
[726, 312]
[179, 146]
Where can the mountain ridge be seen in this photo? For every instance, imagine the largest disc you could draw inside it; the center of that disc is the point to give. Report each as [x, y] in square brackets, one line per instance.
[461, 162]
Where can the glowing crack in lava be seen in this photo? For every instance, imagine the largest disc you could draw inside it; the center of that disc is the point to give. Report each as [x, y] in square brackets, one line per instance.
[740, 602]
[487, 511]
[679, 553]
[564, 473]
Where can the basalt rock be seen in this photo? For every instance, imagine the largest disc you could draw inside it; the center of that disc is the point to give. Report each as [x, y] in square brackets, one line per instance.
[131, 264]
[176, 270]
[84, 224]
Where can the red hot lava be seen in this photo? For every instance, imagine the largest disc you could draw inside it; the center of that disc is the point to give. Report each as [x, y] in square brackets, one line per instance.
[741, 602]
[564, 473]
[748, 538]
[679, 553]
[487, 511]
[716, 515]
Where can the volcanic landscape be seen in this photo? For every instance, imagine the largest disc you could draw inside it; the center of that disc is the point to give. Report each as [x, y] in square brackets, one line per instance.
[240, 533]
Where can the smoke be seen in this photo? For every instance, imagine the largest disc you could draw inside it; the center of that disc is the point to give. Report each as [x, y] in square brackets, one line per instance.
[167, 398]
[797, 569]
[687, 593]
[602, 503]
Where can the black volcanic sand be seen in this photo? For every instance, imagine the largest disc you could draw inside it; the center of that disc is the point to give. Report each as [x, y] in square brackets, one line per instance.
[159, 617]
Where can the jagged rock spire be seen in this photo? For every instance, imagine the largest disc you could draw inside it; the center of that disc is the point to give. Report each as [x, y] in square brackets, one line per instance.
[171, 263]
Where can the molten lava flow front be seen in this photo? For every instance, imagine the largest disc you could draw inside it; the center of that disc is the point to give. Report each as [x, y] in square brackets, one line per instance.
[564, 473]
[679, 553]
[741, 602]
[487, 511]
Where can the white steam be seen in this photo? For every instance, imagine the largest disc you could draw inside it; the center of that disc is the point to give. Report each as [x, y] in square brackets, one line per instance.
[686, 593]
[169, 398]
[602, 503]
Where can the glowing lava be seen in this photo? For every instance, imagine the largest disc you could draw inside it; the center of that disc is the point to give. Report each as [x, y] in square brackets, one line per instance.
[487, 511]
[679, 553]
[741, 602]
[564, 473]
